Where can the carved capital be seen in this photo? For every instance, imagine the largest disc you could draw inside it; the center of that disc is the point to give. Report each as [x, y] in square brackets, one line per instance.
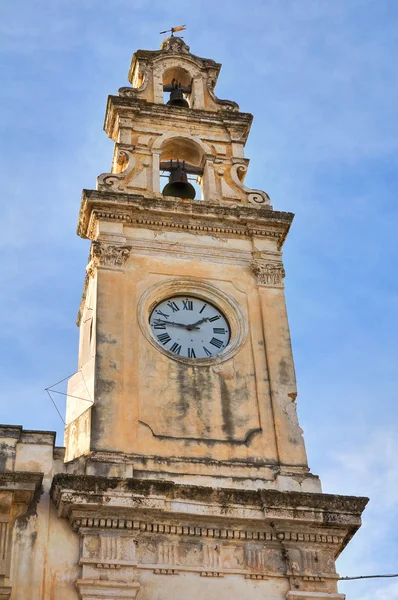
[108, 256]
[268, 274]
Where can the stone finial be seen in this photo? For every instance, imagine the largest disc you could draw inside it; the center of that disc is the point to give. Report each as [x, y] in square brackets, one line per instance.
[174, 44]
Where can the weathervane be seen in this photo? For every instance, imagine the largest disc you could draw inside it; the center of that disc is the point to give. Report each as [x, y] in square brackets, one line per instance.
[173, 29]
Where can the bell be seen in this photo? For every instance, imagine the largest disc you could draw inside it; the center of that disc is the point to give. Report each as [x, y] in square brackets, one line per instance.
[179, 185]
[177, 98]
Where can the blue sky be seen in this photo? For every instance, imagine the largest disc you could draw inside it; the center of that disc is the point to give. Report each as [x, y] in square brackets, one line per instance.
[320, 78]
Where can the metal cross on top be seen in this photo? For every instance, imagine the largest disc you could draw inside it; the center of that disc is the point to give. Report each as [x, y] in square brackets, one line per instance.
[173, 29]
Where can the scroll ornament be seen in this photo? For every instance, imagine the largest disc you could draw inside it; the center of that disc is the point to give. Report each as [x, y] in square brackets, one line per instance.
[116, 181]
[255, 197]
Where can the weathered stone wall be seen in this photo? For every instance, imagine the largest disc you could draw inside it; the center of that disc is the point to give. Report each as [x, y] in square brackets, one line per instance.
[40, 551]
[169, 417]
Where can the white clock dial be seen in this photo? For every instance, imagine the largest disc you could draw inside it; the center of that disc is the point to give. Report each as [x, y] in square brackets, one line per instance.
[190, 327]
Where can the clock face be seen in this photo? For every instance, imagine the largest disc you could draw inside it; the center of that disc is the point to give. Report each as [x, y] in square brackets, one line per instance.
[190, 327]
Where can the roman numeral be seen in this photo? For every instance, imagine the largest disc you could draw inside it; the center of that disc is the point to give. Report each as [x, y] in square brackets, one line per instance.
[173, 306]
[159, 326]
[164, 338]
[176, 348]
[202, 309]
[216, 342]
[215, 318]
[187, 305]
[159, 312]
[207, 351]
[219, 330]
[191, 353]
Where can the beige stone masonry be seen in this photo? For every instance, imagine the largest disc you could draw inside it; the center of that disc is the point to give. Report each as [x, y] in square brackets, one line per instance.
[184, 473]
[129, 528]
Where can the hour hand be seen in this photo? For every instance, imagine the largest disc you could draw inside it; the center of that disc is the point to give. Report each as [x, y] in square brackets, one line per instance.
[176, 324]
[194, 325]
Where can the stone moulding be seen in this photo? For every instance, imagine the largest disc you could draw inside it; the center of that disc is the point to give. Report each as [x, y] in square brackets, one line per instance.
[20, 481]
[199, 217]
[111, 497]
[130, 525]
[129, 105]
[93, 589]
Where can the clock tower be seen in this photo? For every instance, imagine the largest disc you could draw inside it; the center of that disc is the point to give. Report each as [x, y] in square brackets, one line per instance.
[185, 467]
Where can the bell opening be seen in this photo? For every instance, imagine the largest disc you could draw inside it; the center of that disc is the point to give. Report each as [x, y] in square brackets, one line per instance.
[177, 93]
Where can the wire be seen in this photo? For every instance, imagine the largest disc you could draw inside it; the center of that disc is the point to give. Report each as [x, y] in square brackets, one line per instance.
[70, 395]
[47, 389]
[88, 392]
[56, 407]
[366, 577]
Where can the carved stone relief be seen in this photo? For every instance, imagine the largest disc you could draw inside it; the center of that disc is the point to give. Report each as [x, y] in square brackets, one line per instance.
[165, 555]
[108, 256]
[255, 197]
[115, 181]
[268, 274]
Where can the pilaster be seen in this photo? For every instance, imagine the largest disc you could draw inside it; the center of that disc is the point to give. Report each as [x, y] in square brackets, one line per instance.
[269, 276]
[17, 492]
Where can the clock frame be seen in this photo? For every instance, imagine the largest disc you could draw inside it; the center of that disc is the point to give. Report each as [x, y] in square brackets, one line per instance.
[200, 290]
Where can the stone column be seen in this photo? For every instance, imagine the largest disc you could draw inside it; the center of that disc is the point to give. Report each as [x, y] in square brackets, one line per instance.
[156, 171]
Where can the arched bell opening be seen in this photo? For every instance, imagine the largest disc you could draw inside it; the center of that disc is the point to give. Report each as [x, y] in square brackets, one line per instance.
[181, 162]
[177, 87]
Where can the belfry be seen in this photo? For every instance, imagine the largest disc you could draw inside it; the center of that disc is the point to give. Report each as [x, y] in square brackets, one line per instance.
[184, 472]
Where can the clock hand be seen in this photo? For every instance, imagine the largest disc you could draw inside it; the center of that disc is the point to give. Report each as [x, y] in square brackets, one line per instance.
[194, 325]
[176, 324]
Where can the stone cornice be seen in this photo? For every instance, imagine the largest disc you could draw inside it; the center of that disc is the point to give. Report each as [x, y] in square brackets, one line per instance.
[17, 481]
[150, 55]
[197, 216]
[170, 528]
[128, 106]
[113, 498]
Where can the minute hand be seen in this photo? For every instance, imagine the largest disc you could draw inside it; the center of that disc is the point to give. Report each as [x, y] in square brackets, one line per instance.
[177, 324]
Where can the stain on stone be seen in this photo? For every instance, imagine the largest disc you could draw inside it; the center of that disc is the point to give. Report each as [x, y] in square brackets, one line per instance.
[104, 386]
[228, 422]
[283, 372]
[102, 338]
[4, 454]
[31, 510]
[195, 390]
